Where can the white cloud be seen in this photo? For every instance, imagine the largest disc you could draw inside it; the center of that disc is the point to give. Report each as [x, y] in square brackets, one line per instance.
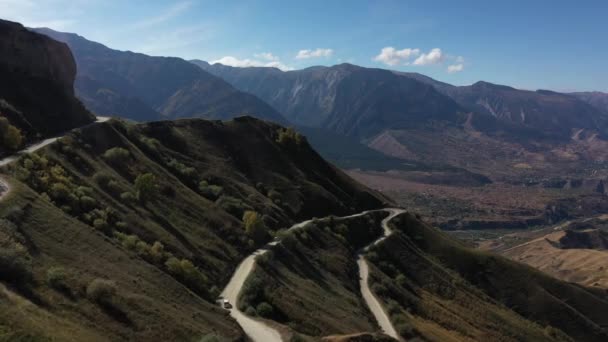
[435, 56]
[305, 54]
[391, 56]
[454, 68]
[267, 56]
[244, 63]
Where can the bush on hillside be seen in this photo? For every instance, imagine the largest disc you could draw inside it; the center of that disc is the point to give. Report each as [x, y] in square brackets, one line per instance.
[157, 252]
[56, 278]
[254, 226]
[128, 197]
[182, 169]
[101, 291]
[265, 310]
[210, 191]
[189, 274]
[10, 135]
[116, 155]
[102, 178]
[233, 206]
[289, 137]
[146, 187]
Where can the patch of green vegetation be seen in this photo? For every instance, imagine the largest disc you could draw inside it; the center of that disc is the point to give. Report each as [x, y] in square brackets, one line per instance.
[290, 137]
[101, 291]
[210, 191]
[254, 226]
[12, 137]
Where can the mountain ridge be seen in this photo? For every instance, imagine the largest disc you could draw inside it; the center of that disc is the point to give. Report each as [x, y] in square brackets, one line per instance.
[166, 85]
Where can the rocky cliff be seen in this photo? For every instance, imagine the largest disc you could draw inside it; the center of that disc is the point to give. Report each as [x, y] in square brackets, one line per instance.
[37, 84]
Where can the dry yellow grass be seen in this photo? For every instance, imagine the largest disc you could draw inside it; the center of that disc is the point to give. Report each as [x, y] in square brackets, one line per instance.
[584, 266]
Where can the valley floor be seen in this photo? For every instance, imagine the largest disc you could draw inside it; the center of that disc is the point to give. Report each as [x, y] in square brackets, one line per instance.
[522, 222]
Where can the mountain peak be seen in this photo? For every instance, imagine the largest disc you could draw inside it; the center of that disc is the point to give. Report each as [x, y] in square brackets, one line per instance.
[488, 85]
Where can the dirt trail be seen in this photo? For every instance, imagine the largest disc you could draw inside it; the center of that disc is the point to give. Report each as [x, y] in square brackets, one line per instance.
[257, 330]
[370, 299]
[4, 186]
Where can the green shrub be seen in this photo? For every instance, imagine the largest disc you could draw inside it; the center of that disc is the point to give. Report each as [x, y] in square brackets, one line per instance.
[151, 145]
[59, 191]
[87, 203]
[101, 224]
[251, 311]
[401, 280]
[289, 137]
[102, 178]
[101, 290]
[254, 226]
[146, 187]
[157, 252]
[130, 242]
[128, 197]
[231, 205]
[11, 135]
[182, 169]
[56, 278]
[114, 187]
[117, 155]
[185, 270]
[211, 192]
[265, 310]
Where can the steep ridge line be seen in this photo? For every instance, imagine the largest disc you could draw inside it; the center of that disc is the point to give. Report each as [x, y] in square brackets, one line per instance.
[260, 331]
[4, 185]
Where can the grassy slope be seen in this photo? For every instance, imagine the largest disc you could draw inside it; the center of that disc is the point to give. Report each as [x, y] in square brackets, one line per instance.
[152, 300]
[311, 279]
[438, 289]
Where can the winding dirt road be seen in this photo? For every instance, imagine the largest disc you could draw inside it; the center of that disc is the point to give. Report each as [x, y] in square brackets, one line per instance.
[370, 299]
[257, 330]
[4, 186]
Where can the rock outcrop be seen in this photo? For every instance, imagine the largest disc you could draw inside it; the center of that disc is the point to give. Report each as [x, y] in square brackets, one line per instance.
[37, 83]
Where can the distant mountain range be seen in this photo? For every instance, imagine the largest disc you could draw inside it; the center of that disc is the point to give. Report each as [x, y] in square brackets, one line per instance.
[406, 116]
[145, 88]
[363, 101]
[597, 99]
[345, 98]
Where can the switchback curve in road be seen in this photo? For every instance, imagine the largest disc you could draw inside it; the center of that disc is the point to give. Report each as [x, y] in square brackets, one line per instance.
[257, 330]
[371, 300]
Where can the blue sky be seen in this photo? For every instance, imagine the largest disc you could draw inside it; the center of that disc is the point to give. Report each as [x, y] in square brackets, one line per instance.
[559, 45]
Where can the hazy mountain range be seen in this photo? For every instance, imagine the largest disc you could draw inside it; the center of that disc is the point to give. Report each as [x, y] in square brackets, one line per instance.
[362, 101]
[145, 88]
